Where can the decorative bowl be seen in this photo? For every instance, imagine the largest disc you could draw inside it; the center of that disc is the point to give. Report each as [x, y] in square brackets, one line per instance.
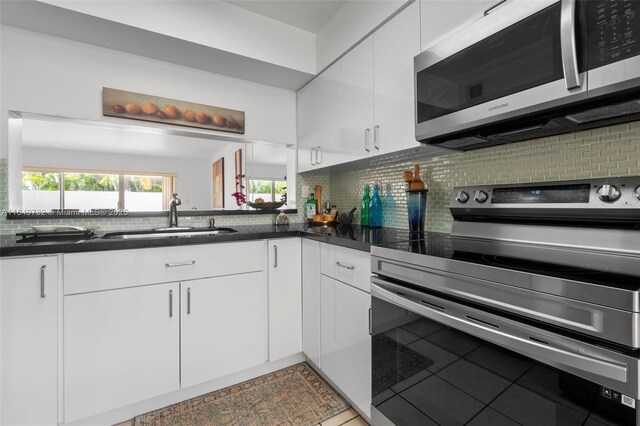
[266, 206]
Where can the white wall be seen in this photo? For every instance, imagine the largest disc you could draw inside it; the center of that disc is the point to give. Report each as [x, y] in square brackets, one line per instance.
[194, 178]
[351, 24]
[229, 155]
[49, 75]
[268, 171]
[210, 23]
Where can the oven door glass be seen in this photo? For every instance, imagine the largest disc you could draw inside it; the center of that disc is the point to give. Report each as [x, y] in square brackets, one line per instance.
[525, 55]
[425, 373]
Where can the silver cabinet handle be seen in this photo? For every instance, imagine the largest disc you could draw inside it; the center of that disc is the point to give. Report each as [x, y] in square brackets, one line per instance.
[568, 43]
[370, 322]
[376, 137]
[312, 152]
[318, 151]
[173, 265]
[275, 256]
[42, 293]
[345, 266]
[366, 139]
[188, 300]
[490, 9]
[170, 303]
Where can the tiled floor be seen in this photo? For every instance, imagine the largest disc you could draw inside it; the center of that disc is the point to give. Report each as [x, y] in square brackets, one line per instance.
[347, 418]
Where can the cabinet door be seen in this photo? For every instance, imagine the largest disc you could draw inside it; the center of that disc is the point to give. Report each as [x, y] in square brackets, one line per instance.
[307, 103]
[319, 121]
[121, 347]
[223, 326]
[356, 99]
[29, 316]
[311, 300]
[328, 113]
[395, 45]
[285, 298]
[441, 18]
[345, 340]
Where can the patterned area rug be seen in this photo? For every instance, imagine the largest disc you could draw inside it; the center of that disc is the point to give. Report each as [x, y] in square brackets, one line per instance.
[292, 396]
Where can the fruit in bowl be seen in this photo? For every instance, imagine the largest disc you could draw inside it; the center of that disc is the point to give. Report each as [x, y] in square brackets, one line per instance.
[260, 204]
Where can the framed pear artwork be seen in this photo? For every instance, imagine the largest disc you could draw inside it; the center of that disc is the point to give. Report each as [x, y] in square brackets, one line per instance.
[138, 106]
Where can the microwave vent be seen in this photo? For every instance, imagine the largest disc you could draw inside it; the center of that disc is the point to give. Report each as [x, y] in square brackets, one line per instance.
[463, 143]
[606, 112]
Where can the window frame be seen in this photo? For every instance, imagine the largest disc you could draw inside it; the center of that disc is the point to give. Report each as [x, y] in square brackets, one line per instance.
[167, 178]
[273, 186]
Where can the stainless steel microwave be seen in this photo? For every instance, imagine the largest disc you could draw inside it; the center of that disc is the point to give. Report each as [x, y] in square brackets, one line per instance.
[530, 69]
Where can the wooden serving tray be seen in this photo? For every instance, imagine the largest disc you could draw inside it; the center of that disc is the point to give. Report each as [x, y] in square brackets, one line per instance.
[326, 223]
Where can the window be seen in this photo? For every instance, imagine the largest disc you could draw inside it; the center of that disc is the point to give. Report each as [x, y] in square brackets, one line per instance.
[268, 190]
[91, 190]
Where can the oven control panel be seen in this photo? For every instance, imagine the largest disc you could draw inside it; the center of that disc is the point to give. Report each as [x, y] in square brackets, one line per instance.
[598, 198]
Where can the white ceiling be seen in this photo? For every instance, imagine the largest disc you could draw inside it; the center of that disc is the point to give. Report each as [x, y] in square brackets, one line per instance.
[309, 15]
[114, 140]
[111, 138]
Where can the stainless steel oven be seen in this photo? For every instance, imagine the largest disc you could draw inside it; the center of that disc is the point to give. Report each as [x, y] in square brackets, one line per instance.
[531, 69]
[483, 327]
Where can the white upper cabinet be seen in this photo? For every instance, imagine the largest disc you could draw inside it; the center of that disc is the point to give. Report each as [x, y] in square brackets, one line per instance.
[441, 18]
[395, 45]
[307, 104]
[362, 105]
[319, 115]
[29, 311]
[356, 100]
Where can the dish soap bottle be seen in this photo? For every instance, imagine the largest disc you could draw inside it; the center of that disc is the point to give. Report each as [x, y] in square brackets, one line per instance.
[311, 207]
[375, 209]
[364, 211]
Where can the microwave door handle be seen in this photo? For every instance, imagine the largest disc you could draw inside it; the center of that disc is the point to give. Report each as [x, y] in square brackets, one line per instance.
[568, 43]
[492, 332]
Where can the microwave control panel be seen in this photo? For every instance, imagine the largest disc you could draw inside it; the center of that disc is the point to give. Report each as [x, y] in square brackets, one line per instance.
[614, 31]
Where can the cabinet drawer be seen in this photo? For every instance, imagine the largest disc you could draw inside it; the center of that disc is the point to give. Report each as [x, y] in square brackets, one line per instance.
[95, 271]
[347, 265]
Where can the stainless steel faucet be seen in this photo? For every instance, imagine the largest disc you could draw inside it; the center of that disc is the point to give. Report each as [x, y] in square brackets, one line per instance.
[173, 210]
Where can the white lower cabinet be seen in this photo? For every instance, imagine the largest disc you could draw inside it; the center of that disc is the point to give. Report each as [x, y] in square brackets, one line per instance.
[336, 317]
[311, 300]
[345, 340]
[147, 335]
[223, 328]
[285, 298]
[121, 347]
[29, 340]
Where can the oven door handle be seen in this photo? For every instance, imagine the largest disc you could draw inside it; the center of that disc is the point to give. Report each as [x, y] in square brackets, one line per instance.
[538, 345]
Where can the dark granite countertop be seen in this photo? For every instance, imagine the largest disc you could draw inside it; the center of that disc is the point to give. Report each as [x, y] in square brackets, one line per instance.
[353, 236]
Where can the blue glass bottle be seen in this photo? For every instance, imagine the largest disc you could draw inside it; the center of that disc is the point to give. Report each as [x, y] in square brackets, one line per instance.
[364, 212]
[375, 209]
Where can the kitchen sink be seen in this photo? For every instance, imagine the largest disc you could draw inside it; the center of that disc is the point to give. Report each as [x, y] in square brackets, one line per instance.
[167, 233]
